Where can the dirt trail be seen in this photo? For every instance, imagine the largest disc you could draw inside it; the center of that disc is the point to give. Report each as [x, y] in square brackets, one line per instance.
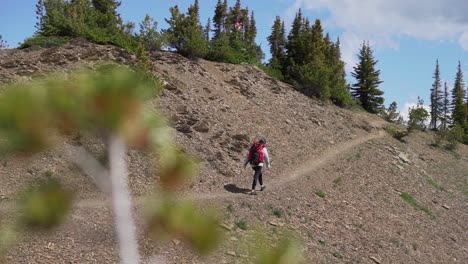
[314, 164]
[286, 177]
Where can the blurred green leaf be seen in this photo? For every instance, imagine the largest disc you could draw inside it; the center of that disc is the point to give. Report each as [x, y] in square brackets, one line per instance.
[288, 251]
[7, 238]
[24, 119]
[44, 205]
[182, 220]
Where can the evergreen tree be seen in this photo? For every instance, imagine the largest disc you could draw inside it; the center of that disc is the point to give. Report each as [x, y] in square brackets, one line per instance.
[366, 88]
[149, 34]
[185, 32]
[293, 44]
[458, 96]
[3, 43]
[207, 30]
[445, 109]
[219, 19]
[392, 114]
[107, 15]
[277, 41]
[436, 98]
[251, 30]
[40, 14]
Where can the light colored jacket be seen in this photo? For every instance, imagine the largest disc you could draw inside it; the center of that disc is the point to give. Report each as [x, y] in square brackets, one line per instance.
[266, 159]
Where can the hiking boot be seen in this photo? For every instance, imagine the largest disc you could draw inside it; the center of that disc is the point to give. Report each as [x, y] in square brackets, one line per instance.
[263, 188]
[252, 192]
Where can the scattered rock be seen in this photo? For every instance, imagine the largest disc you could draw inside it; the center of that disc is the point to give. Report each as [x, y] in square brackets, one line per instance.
[231, 253]
[227, 227]
[402, 156]
[445, 207]
[186, 129]
[50, 246]
[176, 242]
[202, 127]
[375, 260]
[289, 122]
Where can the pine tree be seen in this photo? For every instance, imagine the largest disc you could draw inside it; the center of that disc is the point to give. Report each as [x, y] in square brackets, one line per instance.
[458, 96]
[185, 32]
[149, 34]
[40, 14]
[293, 44]
[366, 88]
[251, 30]
[436, 98]
[207, 30]
[392, 114]
[277, 41]
[107, 15]
[3, 43]
[445, 109]
[219, 19]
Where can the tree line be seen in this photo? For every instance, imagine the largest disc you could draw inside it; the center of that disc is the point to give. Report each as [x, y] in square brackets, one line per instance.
[449, 110]
[306, 57]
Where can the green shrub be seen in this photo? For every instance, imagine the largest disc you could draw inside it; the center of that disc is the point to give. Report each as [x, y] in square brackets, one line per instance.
[44, 41]
[242, 224]
[408, 198]
[396, 132]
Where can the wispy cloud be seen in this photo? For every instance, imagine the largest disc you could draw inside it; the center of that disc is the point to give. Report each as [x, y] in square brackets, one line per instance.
[383, 22]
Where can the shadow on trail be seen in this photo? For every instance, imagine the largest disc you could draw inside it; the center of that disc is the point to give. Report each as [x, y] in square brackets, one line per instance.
[232, 188]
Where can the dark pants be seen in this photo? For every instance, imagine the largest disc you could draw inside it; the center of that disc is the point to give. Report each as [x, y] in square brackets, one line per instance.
[257, 176]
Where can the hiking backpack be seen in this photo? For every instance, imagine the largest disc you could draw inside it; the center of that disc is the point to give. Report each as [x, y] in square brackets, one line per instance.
[256, 154]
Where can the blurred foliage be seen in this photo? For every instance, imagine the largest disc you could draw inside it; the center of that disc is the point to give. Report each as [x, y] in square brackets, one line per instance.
[287, 251]
[44, 41]
[8, 237]
[182, 220]
[44, 205]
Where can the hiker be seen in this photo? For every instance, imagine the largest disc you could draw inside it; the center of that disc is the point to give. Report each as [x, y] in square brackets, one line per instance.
[258, 155]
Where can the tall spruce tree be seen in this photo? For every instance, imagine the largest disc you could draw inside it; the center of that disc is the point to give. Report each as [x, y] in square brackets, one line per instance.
[293, 44]
[445, 109]
[436, 98]
[207, 30]
[366, 89]
[277, 41]
[458, 97]
[219, 18]
[107, 15]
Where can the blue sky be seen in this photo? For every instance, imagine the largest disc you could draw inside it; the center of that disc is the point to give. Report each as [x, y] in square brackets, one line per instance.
[407, 36]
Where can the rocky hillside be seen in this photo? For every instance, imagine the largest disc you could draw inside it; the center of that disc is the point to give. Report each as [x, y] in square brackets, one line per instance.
[337, 180]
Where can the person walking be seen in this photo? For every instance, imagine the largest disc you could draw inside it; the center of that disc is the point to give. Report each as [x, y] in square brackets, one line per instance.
[257, 158]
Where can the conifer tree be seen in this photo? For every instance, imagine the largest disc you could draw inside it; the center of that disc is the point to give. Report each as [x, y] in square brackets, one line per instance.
[251, 30]
[436, 98]
[149, 34]
[277, 41]
[366, 89]
[458, 95]
[392, 114]
[219, 19]
[107, 15]
[185, 32]
[293, 45]
[207, 30]
[445, 109]
[3, 43]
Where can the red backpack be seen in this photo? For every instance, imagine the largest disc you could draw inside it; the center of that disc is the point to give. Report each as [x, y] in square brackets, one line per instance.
[256, 153]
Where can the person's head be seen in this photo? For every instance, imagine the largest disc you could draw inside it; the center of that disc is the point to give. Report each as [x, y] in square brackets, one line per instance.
[262, 140]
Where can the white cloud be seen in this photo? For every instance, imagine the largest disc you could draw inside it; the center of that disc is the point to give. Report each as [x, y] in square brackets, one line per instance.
[383, 21]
